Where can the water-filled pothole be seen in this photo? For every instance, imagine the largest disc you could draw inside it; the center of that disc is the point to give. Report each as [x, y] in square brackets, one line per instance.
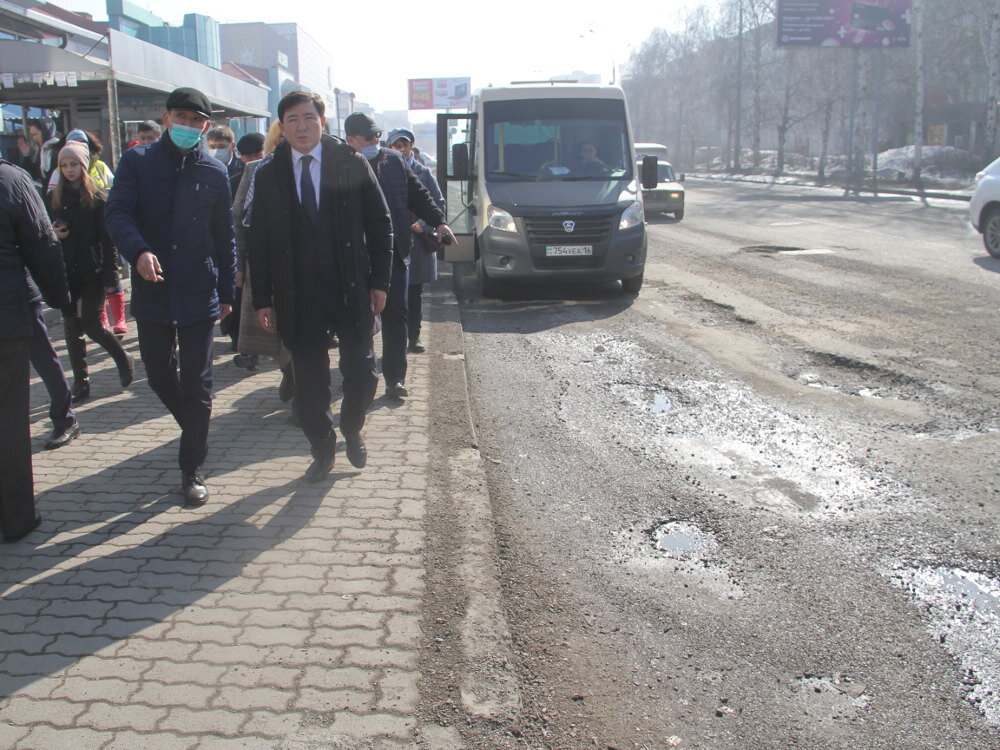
[964, 607]
[658, 403]
[682, 539]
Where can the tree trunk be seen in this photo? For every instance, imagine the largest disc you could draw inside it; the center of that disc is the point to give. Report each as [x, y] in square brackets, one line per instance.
[825, 145]
[918, 122]
[993, 93]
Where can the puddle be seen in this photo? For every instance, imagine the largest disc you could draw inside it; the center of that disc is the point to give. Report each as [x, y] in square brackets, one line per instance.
[681, 539]
[658, 403]
[964, 609]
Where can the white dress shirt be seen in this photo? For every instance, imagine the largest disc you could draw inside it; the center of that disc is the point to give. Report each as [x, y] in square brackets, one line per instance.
[317, 155]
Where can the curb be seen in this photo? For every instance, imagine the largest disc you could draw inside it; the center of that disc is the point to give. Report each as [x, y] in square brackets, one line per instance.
[470, 625]
[762, 180]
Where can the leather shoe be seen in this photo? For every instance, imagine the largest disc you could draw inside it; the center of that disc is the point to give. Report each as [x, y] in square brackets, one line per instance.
[246, 361]
[417, 347]
[319, 469]
[195, 491]
[21, 534]
[63, 437]
[357, 452]
[80, 390]
[287, 387]
[396, 390]
[127, 373]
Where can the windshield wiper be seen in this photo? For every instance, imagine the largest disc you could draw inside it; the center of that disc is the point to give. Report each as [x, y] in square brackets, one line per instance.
[532, 177]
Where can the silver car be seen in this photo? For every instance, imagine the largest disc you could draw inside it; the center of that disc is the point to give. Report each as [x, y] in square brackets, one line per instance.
[984, 209]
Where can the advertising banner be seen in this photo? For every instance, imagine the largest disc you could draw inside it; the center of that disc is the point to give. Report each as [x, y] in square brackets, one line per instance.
[844, 23]
[439, 93]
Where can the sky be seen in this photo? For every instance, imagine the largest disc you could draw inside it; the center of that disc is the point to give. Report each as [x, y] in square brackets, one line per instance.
[377, 47]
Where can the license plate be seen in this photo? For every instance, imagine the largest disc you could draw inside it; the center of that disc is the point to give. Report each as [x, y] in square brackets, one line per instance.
[552, 251]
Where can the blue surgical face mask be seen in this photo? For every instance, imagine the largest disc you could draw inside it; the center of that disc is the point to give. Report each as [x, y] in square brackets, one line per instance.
[370, 152]
[184, 136]
[411, 160]
[222, 154]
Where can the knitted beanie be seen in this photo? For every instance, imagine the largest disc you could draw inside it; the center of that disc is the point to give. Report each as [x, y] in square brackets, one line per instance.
[76, 150]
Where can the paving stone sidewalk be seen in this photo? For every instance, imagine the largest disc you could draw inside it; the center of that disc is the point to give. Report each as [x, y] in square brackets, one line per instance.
[280, 615]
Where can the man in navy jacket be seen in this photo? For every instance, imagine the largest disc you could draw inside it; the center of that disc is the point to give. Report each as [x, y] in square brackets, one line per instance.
[27, 242]
[169, 214]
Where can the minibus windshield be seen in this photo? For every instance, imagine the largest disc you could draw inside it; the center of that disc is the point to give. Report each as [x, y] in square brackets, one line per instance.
[556, 140]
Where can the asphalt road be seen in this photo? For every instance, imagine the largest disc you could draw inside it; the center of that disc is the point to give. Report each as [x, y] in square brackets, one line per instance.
[757, 505]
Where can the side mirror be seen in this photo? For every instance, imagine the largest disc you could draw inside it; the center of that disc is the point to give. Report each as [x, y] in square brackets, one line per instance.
[460, 160]
[681, 178]
[649, 176]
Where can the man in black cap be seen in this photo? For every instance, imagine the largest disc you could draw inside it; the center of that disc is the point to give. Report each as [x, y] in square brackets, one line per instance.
[169, 214]
[250, 148]
[407, 198]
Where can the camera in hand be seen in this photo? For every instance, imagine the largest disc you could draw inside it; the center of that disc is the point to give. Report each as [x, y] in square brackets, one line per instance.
[447, 239]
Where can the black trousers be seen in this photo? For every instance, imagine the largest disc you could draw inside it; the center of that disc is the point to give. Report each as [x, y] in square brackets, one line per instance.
[414, 303]
[394, 323]
[83, 316]
[17, 488]
[311, 366]
[178, 365]
[46, 363]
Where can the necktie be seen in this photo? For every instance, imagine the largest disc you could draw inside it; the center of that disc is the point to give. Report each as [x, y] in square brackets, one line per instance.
[308, 191]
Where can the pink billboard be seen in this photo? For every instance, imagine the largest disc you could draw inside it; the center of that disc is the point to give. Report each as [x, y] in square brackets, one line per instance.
[844, 23]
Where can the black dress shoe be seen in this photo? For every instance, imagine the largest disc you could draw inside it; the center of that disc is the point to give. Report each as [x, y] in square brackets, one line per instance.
[417, 347]
[126, 373]
[319, 469]
[287, 387]
[246, 361]
[195, 491]
[63, 437]
[80, 390]
[21, 534]
[396, 390]
[357, 453]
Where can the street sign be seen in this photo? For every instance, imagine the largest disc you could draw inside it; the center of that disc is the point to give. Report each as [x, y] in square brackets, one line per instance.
[439, 93]
[844, 23]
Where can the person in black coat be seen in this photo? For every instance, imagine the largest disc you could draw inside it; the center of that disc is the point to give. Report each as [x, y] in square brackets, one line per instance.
[406, 196]
[27, 243]
[76, 206]
[170, 216]
[320, 253]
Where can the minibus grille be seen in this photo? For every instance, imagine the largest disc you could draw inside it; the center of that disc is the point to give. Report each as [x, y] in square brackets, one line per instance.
[543, 231]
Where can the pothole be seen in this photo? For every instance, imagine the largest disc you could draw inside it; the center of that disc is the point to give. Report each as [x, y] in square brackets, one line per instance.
[659, 403]
[829, 699]
[683, 540]
[787, 250]
[964, 611]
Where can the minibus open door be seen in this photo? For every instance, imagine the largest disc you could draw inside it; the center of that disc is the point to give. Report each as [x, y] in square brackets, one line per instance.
[456, 175]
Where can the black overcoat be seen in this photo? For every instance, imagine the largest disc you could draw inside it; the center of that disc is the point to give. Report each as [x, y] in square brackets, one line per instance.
[354, 218]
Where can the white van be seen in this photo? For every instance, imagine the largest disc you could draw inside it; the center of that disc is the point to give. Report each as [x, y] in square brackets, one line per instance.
[541, 183]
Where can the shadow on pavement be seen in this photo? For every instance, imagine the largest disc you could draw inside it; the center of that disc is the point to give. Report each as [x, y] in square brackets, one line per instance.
[529, 308]
[51, 622]
[988, 263]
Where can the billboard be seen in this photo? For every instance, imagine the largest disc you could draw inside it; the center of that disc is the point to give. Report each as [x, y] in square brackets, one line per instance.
[439, 93]
[844, 23]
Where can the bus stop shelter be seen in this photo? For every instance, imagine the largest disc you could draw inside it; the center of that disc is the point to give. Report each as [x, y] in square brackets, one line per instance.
[94, 93]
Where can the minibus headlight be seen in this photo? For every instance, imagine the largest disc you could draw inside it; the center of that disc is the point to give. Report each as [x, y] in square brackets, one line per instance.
[631, 216]
[500, 219]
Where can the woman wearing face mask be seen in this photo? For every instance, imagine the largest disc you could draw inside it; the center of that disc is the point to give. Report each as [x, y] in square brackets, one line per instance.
[76, 206]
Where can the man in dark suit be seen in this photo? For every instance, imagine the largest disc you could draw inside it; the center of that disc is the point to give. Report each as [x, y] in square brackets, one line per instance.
[27, 243]
[170, 216]
[320, 252]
